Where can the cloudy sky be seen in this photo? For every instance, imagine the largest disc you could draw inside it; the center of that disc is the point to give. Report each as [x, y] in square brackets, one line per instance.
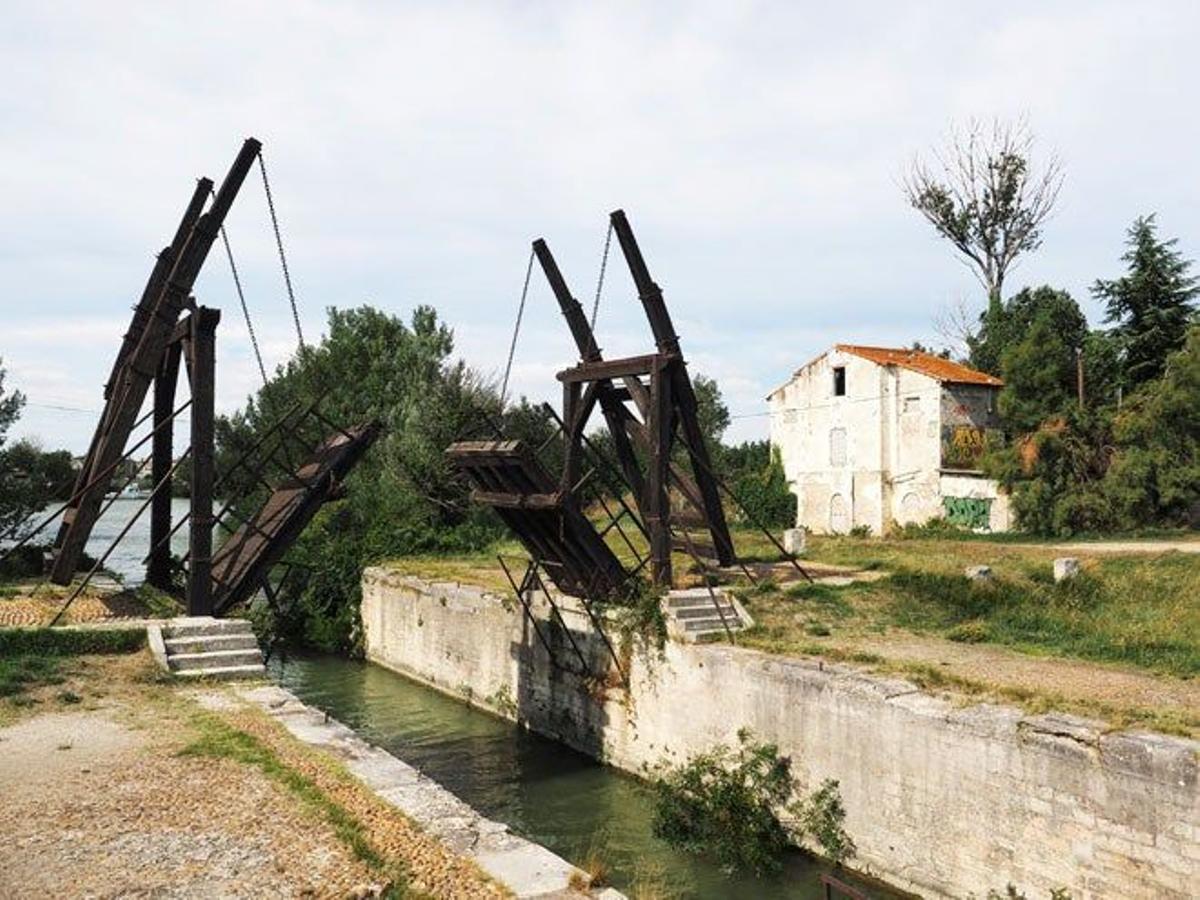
[416, 149]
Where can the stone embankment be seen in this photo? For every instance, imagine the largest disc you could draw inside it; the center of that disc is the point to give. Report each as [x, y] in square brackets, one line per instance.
[942, 799]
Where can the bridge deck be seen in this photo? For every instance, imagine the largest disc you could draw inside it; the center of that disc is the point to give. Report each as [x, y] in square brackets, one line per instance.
[243, 561]
[550, 525]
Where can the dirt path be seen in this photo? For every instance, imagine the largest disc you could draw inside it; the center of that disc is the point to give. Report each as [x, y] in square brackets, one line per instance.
[1018, 674]
[99, 801]
[89, 804]
[1085, 548]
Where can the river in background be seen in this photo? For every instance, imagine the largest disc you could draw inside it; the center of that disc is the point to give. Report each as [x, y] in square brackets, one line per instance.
[541, 789]
[126, 560]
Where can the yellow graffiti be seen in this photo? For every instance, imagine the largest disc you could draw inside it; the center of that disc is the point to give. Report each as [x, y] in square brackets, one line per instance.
[967, 440]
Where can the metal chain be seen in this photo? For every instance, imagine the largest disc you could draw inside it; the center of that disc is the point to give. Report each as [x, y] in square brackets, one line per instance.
[600, 280]
[237, 283]
[512, 350]
[287, 277]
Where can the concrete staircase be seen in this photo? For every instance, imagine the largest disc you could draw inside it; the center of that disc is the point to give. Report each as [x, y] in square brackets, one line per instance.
[204, 647]
[691, 614]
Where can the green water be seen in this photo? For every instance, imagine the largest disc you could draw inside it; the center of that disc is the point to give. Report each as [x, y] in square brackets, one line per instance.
[539, 788]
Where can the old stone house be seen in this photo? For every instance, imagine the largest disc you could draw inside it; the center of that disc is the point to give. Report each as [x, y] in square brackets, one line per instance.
[875, 436]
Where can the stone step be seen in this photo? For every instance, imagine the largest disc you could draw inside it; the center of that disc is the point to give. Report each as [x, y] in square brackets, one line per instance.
[711, 624]
[700, 612]
[693, 597]
[217, 659]
[226, 673]
[204, 626]
[209, 643]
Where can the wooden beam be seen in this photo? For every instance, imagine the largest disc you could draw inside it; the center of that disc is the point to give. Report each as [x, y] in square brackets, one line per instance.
[204, 370]
[629, 366]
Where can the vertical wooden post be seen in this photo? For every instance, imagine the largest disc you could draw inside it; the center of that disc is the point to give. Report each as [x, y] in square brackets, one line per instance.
[571, 411]
[658, 500]
[158, 570]
[203, 369]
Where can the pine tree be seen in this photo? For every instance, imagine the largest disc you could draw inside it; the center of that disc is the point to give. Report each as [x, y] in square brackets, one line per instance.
[1151, 304]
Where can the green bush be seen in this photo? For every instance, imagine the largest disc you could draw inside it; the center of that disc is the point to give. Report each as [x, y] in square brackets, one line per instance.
[730, 802]
[766, 495]
[727, 802]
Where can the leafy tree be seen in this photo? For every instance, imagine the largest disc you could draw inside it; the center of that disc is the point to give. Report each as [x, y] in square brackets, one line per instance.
[1152, 303]
[1155, 471]
[764, 491]
[1008, 323]
[982, 194]
[404, 497]
[711, 410]
[15, 499]
[1054, 475]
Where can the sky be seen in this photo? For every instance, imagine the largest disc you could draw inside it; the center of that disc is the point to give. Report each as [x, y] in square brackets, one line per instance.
[416, 150]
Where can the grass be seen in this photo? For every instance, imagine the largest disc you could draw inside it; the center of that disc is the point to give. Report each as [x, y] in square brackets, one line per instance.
[19, 674]
[31, 658]
[218, 740]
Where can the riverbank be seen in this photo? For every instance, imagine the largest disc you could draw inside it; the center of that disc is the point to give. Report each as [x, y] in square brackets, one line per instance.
[943, 797]
[116, 780]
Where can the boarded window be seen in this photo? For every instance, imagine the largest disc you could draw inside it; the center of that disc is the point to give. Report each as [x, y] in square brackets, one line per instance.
[837, 446]
[839, 381]
[839, 515]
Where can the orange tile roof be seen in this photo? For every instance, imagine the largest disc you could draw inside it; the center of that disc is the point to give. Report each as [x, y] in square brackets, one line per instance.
[925, 363]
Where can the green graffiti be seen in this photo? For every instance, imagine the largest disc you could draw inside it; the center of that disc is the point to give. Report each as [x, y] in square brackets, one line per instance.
[969, 512]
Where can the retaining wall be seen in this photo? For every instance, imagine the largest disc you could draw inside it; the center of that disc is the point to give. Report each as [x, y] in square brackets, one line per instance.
[941, 800]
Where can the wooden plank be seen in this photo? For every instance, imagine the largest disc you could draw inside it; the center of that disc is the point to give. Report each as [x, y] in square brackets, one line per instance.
[250, 552]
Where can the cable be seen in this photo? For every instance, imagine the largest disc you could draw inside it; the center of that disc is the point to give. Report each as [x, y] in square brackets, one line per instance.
[287, 277]
[512, 350]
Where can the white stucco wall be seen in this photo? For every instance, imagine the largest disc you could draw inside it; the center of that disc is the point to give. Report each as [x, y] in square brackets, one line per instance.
[941, 799]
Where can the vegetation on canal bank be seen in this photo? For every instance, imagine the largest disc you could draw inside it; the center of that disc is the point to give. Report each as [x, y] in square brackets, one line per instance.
[737, 804]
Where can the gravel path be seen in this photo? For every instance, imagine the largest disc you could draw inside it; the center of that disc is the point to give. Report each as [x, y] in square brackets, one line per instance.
[91, 809]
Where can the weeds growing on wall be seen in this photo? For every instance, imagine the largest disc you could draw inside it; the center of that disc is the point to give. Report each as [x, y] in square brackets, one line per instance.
[732, 802]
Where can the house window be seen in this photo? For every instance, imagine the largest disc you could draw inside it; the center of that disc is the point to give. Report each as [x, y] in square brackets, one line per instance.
[839, 381]
[837, 446]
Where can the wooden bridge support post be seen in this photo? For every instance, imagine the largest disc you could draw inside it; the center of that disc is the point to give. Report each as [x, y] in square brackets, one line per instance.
[202, 348]
[158, 569]
[658, 499]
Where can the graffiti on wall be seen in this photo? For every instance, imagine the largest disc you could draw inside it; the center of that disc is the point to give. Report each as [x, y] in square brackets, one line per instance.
[968, 512]
[963, 445]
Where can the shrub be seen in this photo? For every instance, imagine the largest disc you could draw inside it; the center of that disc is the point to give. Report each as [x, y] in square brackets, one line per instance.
[731, 802]
[822, 817]
[70, 641]
[727, 801]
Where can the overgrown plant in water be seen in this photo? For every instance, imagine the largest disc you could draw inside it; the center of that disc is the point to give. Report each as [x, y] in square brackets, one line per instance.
[733, 803]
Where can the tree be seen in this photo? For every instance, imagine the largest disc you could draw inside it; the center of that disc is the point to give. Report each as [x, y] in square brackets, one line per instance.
[1035, 335]
[711, 410]
[983, 195]
[1151, 303]
[1007, 323]
[404, 497]
[16, 503]
[1155, 473]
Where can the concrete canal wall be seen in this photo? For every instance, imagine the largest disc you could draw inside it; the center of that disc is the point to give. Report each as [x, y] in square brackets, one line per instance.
[942, 800]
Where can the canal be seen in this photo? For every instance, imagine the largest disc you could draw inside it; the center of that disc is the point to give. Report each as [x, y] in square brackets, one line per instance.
[539, 788]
